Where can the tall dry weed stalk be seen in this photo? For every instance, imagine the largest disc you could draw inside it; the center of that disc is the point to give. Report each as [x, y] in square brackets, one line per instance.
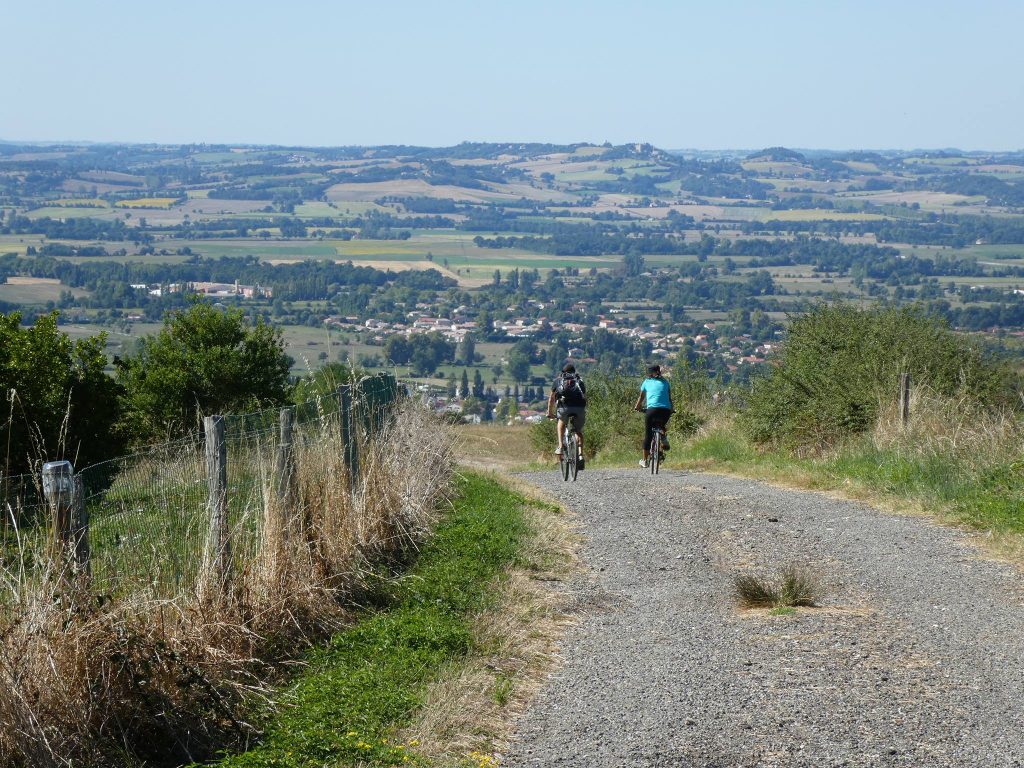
[958, 428]
[122, 680]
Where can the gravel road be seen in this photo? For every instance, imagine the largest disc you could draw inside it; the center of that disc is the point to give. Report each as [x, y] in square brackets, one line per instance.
[915, 656]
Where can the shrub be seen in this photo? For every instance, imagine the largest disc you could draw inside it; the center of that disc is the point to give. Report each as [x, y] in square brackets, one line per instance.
[841, 364]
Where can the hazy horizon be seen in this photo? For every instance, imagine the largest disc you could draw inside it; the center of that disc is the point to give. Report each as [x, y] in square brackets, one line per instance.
[673, 150]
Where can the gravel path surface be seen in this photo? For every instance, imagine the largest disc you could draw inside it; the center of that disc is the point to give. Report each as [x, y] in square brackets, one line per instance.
[915, 657]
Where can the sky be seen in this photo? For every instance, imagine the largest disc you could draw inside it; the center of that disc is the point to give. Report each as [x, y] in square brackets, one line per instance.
[826, 74]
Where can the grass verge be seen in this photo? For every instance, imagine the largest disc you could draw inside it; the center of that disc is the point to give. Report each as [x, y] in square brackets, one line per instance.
[348, 706]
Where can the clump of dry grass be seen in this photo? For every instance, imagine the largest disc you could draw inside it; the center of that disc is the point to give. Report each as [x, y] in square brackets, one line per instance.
[957, 428]
[133, 677]
[795, 587]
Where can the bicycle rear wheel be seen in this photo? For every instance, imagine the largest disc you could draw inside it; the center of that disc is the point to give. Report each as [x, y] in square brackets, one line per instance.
[655, 452]
[574, 453]
[563, 460]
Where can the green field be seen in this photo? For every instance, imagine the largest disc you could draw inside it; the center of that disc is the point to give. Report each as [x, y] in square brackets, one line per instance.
[72, 212]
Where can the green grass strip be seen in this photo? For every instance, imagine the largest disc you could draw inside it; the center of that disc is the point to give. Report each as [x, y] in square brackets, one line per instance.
[369, 679]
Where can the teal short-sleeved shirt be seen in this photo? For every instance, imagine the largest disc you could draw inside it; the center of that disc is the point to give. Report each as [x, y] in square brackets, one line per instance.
[656, 393]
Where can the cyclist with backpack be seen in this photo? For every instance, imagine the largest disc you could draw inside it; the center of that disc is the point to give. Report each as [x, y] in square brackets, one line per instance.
[569, 393]
[655, 401]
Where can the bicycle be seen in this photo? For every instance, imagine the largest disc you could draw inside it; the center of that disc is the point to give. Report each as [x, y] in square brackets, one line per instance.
[568, 459]
[657, 453]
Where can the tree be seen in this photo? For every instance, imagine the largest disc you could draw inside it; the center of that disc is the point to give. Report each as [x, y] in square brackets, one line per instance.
[472, 406]
[397, 349]
[519, 365]
[485, 323]
[633, 264]
[423, 362]
[507, 410]
[464, 384]
[429, 351]
[60, 402]
[203, 361]
[467, 350]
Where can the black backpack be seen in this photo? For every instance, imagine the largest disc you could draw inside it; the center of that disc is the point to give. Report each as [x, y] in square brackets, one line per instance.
[570, 389]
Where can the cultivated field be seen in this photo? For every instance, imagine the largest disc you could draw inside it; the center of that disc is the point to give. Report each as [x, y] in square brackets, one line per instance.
[33, 291]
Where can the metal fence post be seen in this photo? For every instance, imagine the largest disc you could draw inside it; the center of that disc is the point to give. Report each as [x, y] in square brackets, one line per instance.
[66, 498]
[904, 399]
[218, 555]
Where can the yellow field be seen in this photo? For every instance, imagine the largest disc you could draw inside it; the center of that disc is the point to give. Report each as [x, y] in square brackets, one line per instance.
[148, 202]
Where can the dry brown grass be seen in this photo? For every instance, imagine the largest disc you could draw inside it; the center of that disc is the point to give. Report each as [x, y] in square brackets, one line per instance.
[795, 587]
[117, 680]
[957, 428]
[474, 706]
[495, 447]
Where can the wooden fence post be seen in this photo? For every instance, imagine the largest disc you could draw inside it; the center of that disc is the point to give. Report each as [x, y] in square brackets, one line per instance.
[904, 399]
[348, 433]
[80, 530]
[284, 469]
[218, 555]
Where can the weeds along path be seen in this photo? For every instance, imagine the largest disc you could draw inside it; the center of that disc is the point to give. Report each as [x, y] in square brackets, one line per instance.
[915, 656]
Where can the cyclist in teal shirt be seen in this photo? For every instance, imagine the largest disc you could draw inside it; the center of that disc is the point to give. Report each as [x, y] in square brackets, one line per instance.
[655, 401]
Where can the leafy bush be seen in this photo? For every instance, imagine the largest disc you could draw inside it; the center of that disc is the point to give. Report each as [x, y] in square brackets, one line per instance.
[203, 361]
[841, 364]
[59, 401]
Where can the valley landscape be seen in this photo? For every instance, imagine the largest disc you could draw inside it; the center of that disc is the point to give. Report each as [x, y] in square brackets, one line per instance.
[537, 253]
[289, 295]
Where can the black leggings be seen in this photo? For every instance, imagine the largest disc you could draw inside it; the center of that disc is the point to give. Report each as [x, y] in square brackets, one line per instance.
[656, 417]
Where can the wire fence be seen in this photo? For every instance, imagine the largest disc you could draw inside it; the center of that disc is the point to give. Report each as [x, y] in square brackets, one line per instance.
[147, 519]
